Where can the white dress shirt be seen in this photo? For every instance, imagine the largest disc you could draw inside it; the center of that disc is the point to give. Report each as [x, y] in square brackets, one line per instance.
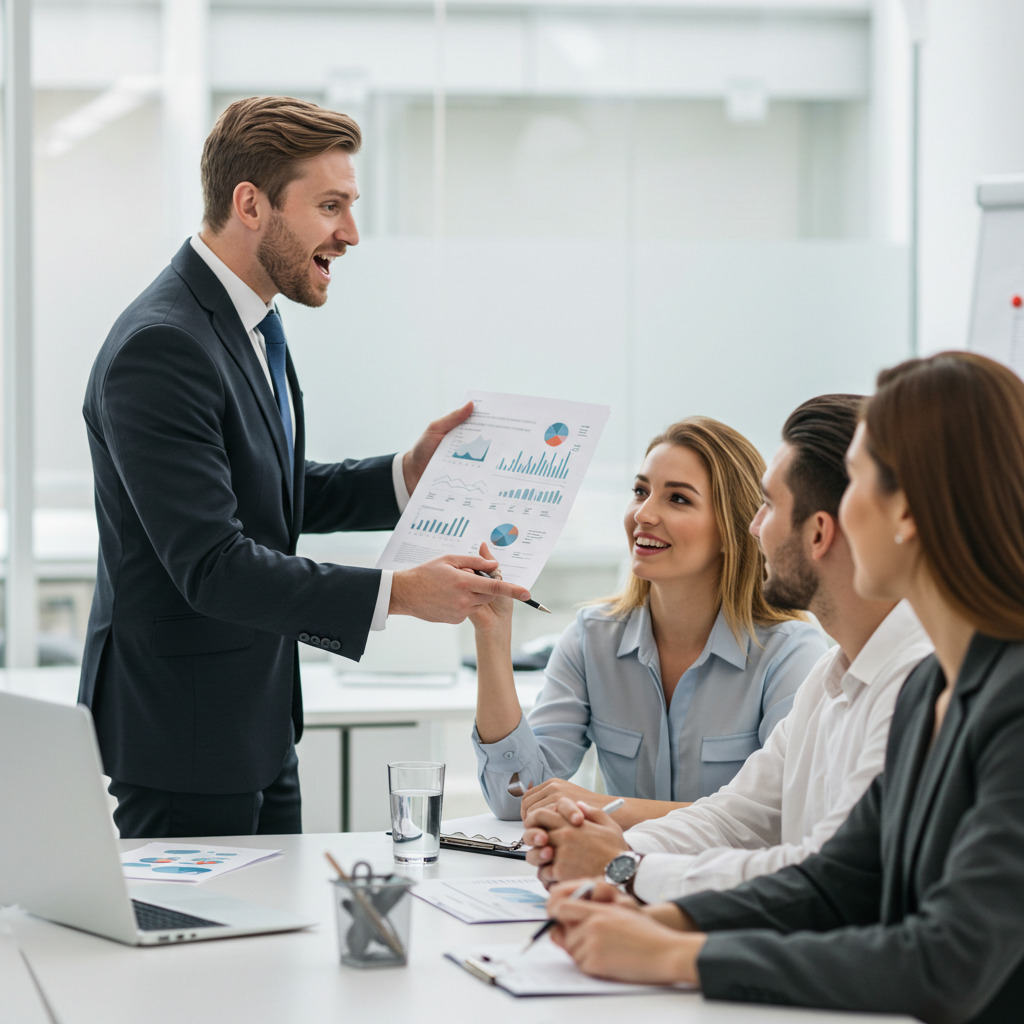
[251, 310]
[792, 794]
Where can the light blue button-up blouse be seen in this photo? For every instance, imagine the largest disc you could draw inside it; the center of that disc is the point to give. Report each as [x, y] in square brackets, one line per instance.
[603, 686]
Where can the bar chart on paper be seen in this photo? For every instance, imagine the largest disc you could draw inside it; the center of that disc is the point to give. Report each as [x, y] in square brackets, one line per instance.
[507, 476]
[529, 465]
[451, 528]
[533, 494]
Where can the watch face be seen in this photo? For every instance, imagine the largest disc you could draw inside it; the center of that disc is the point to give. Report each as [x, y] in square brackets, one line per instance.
[622, 868]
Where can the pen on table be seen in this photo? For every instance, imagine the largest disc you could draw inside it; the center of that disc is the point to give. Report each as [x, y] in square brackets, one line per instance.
[583, 892]
[529, 601]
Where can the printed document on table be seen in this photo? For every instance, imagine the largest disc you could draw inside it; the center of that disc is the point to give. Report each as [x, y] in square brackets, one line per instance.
[543, 970]
[508, 475]
[486, 900]
[187, 862]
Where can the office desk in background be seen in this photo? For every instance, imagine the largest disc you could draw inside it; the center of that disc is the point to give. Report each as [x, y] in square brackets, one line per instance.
[353, 719]
[296, 977]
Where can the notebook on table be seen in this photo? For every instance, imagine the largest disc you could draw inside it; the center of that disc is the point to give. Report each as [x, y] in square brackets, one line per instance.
[59, 858]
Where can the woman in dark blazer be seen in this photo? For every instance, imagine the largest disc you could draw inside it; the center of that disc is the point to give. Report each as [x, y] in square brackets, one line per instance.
[917, 904]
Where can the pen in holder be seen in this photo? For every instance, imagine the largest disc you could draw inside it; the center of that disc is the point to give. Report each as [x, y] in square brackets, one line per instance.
[373, 916]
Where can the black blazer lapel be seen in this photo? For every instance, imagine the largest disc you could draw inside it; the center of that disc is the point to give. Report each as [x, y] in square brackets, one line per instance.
[908, 748]
[982, 655]
[210, 294]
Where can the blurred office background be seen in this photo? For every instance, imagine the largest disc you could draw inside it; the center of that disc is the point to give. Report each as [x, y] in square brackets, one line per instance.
[669, 206]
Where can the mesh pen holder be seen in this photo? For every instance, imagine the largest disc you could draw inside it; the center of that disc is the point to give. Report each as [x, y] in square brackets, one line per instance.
[372, 913]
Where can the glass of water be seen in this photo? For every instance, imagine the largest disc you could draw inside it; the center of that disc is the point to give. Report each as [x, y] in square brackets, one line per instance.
[416, 788]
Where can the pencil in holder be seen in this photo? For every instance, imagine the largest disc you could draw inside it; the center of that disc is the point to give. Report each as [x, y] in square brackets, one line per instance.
[372, 913]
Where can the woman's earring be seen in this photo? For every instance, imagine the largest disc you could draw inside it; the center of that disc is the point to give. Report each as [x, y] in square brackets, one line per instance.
[898, 538]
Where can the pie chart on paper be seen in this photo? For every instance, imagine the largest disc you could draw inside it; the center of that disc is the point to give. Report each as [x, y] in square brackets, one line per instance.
[504, 535]
[556, 434]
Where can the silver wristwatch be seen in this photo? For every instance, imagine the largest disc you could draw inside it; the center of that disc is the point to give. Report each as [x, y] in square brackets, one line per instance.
[621, 870]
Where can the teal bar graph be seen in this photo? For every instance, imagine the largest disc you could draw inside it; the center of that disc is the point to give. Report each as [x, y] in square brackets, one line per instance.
[454, 528]
[545, 466]
[533, 494]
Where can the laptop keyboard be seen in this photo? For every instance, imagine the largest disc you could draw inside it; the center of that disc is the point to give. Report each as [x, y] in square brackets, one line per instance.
[159, 919]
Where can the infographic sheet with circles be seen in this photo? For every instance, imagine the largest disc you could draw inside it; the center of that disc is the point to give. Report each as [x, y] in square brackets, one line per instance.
[507, 476]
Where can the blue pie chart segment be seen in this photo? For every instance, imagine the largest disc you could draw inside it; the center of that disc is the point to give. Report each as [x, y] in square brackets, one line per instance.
[502, 536]
[556, 434]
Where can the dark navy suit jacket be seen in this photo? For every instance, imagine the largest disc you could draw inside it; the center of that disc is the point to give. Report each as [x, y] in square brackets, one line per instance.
[191, 660]
[916, 905]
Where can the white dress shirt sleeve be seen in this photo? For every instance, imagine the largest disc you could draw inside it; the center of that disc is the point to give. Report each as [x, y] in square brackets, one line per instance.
[380, 609]
[747, 815]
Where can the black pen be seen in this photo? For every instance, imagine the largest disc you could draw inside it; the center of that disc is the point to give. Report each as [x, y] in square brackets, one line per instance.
[529, 601]
[583, 892]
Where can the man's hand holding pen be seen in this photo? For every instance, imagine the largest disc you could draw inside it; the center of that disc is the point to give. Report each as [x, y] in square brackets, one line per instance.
[449, 589]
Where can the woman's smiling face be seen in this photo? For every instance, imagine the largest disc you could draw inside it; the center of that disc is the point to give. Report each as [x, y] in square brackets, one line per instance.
[670, 521]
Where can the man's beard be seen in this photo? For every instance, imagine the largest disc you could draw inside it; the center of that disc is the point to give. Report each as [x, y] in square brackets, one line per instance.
[287, 264]
[792, 582]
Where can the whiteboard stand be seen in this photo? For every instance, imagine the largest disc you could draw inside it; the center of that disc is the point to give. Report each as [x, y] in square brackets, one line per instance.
[997, 314]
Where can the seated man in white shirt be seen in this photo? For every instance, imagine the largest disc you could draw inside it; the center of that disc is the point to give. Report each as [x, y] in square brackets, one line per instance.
[792, 794]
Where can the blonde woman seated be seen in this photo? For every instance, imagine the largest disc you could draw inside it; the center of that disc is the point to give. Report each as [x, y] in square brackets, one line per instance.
[915, 905]
[677, 679]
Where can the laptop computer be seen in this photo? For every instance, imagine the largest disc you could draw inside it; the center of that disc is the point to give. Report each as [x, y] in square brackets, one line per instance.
[59, 857]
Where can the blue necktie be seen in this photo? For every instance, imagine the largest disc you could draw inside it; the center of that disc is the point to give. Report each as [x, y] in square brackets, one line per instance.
[273, 334]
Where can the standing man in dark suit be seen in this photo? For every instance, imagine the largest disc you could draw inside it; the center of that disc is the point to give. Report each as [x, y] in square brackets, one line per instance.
[195, 423]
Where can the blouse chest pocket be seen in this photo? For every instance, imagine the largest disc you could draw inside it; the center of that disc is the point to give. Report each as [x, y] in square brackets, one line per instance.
[721, 757]
[617, 750]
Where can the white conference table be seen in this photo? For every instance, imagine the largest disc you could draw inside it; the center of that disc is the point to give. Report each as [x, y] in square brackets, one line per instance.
[297, 977]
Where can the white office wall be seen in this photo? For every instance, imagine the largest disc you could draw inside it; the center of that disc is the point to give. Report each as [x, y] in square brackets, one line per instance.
[613, 169]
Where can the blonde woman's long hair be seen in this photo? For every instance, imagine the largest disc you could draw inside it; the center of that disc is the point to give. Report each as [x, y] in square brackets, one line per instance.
[735, 468]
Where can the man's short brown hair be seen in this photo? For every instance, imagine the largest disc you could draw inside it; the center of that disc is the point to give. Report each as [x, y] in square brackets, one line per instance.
[261, 140]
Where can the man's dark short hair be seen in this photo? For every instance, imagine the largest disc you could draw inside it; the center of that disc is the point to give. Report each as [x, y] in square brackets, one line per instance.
[820, 432]
[263, 140]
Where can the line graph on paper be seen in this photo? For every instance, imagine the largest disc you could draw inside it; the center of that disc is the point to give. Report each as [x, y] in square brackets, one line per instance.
[459, 485]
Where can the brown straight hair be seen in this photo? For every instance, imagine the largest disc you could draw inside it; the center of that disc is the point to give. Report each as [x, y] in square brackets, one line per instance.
[262, 140]
[948, 431]
[735, 467]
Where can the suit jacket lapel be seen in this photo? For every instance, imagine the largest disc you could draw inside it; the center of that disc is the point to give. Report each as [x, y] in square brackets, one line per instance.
[224, 318]
[908, 749]
[982, 654]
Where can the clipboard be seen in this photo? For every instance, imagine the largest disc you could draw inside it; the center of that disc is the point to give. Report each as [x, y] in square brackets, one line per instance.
[543, 970]
[484, 833]
[484, 844]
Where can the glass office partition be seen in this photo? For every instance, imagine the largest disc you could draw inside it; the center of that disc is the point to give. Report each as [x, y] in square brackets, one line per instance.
[665, 208]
